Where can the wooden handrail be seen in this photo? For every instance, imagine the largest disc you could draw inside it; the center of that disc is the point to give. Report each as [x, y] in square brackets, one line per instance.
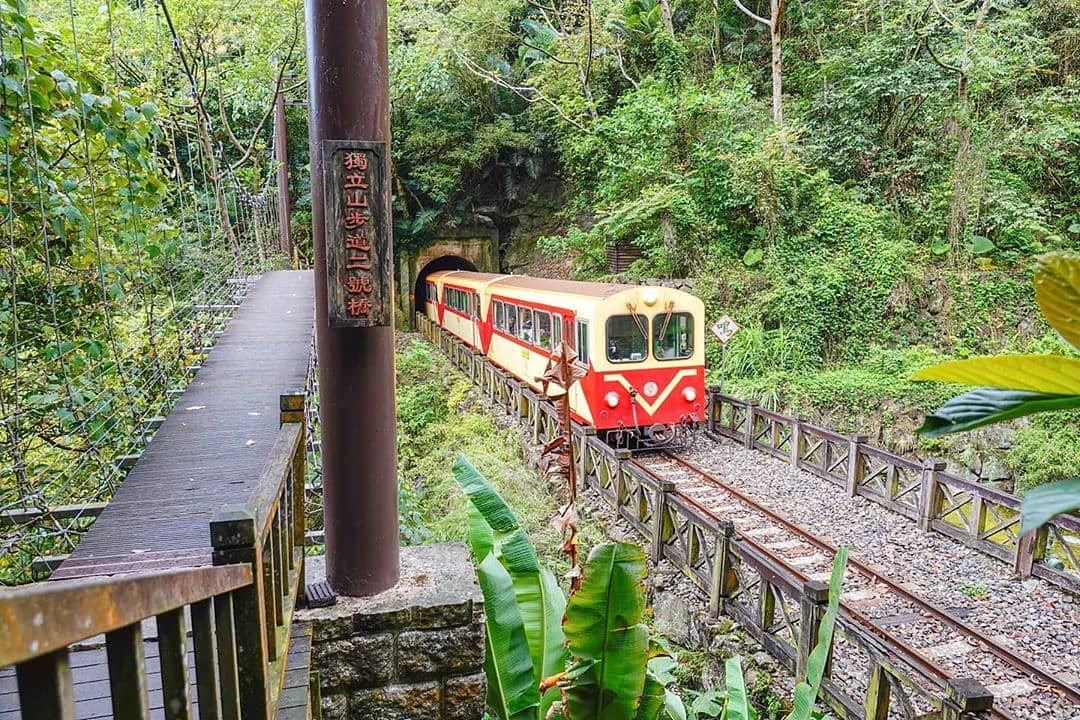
[875, 473]
[267, 535]
[44, 617]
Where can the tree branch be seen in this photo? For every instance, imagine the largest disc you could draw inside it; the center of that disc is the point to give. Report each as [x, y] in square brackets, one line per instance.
[525, 92]
[748, 13]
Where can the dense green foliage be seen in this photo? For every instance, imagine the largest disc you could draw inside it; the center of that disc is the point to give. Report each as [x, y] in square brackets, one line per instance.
[133, 168]
[927, 153]
[1020, 385]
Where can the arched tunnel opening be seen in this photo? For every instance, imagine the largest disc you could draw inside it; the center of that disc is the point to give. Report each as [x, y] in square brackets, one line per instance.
[446, 262]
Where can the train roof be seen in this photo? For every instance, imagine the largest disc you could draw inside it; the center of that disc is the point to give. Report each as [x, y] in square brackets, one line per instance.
[526, 282]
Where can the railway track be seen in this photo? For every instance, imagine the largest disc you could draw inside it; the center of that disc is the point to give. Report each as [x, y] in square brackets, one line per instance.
[936, 638]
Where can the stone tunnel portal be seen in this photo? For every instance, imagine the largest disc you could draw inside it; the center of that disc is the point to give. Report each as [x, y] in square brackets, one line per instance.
[446, 262]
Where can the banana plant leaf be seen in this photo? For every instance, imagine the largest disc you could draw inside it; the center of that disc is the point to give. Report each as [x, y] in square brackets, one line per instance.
[657, 695]
[986, 406]
[1057, 290]
[806, 692]
[737, 706]
[512, 691]
[493, 528]
[487, 501]
[603, 625]
[1048, 374]
[1047, 502]
[652, 699]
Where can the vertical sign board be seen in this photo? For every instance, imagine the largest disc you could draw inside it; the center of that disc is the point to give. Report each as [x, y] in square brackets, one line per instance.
[359, 253]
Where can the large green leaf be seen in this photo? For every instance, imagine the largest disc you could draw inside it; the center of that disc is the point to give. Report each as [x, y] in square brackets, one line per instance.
[738, 706]
[806, 692]
[491, 506]
[512, 691]
[991, 405]
[603, 625]
[1057, 289]
[1050, 374]
[1047, 502]
[481, 536]
[493, 528]
[652, 698]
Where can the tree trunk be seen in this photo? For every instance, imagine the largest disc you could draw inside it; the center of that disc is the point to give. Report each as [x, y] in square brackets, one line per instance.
[777, 63]
[665, 15]
[963, 172]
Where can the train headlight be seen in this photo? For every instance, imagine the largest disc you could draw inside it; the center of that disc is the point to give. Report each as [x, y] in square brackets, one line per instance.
[689, 394]
[612, 399]
[649, 297]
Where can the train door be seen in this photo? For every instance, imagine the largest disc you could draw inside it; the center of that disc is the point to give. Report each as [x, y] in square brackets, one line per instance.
[474, 308]
[568, 332]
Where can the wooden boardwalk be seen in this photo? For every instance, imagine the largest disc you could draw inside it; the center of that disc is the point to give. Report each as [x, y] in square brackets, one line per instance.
[213, 446]
[210, 452]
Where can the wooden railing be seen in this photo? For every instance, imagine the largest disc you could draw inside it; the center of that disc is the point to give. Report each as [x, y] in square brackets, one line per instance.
[779, 606]
[240, 611]
[267, 535]
[978, 516]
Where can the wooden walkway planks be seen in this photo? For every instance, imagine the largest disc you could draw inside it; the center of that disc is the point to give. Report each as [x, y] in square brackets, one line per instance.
[214, 444]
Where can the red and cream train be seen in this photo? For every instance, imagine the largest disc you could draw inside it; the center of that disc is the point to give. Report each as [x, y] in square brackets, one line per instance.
[642, 346]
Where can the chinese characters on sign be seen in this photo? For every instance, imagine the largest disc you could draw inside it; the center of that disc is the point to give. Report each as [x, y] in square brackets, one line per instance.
[358, 252]
[724, 329]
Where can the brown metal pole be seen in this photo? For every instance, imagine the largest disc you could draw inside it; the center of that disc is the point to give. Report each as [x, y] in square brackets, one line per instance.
[348, 90]
[281, 149]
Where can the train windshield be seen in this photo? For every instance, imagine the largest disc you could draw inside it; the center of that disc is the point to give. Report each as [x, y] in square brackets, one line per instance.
[627, 338]
[673, 336]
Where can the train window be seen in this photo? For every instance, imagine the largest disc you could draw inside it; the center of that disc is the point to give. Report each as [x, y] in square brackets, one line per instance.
[525, 322]
[627, 338]
[543, 329]
[673, 336]
[511, 319]
[500, 315]
[474, 304]
[583, 342]
[556, 331]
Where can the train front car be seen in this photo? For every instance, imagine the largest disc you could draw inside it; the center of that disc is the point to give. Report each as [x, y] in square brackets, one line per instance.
[642, 347]
[646, 385]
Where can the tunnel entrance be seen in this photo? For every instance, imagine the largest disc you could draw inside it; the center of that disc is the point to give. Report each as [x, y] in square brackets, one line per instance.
[446, 262]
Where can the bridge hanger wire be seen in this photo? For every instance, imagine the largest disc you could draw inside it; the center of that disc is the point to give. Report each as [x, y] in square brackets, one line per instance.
[13, 417]
[140, 386]
[95, 227]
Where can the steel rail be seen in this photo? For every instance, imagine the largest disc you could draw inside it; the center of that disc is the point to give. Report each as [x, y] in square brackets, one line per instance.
[1029, 667]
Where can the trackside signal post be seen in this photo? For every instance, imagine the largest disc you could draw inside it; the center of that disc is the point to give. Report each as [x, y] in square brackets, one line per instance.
[348, 87]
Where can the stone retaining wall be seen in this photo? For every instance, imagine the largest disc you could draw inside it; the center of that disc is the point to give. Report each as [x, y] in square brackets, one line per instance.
[414, 652]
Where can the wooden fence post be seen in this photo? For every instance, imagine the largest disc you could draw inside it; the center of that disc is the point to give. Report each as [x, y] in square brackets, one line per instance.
[876, 706]
[618, 483]
[233, 536]
[658, 519]
[796, 439]
[749, 425]
[813, 603]
[964, 699]
[292, 406]
[584, 466]
[854, 465]
[722, 567]
[929, 494]
[715, 408]
[1031, 549]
